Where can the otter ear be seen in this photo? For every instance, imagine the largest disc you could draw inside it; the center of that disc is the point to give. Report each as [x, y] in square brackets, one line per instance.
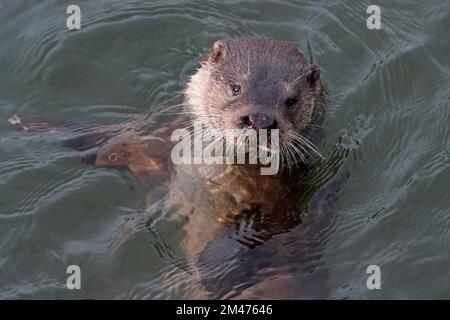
[218, 52]
[313, 74]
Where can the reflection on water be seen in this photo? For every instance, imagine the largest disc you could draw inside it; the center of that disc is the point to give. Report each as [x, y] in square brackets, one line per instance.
[387, 127]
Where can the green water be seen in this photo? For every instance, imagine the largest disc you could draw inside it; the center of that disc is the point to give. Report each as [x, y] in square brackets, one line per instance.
[389, 113]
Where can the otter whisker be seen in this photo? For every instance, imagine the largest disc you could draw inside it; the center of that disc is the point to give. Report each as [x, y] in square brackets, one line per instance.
[305, 141]
[293, 82]
[295, 150]
[300, 144]
[297, 145]
[313, 147]
[282, 157]
[288, 157]
[294, 162]
[316, 126]
[301, 153]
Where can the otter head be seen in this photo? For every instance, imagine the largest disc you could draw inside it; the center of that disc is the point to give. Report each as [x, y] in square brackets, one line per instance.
[254, 83]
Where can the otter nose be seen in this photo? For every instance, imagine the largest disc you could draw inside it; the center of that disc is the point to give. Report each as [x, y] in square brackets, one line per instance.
[259, 121]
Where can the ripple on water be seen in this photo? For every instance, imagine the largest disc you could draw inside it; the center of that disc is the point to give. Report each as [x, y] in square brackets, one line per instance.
[395, 204]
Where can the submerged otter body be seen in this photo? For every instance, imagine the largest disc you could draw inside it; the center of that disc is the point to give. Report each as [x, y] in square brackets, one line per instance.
[247, 84]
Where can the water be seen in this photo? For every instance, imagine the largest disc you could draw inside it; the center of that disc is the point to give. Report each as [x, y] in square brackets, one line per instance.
[388, 122]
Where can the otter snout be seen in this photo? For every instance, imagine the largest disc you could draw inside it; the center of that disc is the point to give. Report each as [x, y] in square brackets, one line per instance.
[258, 121]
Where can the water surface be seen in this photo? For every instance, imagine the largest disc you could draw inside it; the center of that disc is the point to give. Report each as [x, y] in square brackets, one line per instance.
[388, 122]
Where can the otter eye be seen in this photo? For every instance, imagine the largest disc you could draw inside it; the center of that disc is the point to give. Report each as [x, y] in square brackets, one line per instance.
[290, 103]
[236, 89]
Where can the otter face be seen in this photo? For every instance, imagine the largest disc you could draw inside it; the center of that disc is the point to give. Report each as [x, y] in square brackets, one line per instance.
[255, 83]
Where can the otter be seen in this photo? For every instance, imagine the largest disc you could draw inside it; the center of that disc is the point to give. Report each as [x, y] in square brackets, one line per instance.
[255, 83]
[250, 84]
